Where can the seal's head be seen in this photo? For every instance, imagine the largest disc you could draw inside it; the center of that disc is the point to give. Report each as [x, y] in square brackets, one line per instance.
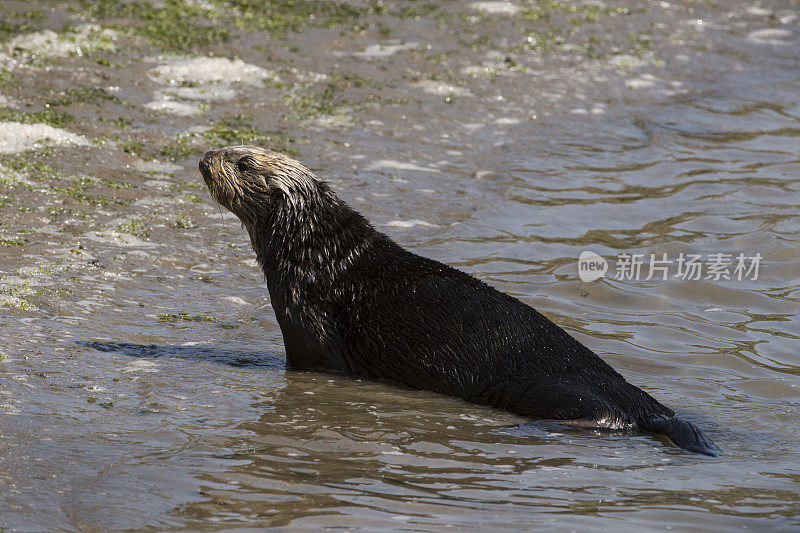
[248, 180]
[297, 225]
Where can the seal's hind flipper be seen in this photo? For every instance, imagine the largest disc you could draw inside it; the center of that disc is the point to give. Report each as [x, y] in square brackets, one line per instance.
[681, 432]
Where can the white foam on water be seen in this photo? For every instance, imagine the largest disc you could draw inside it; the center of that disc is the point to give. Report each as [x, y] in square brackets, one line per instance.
[443, 89]
[481, 174]
[597, 109]
[472, 127]
[385, 49]
[217, 76]
[398, 165]
[758, 11]
[309, 76]
[236, 300]
[10, 409]
[211, 70]
[770, 36]
[339, 119]
[119, 239]
[627, 61]
[203, 4]
[18, 137]
[204, 268]
[477, 71]
[167, 105]
[157, 166]
[410, 223]
[140, 365]
[214, 92]
[85, 38]
[496, 8]
[645, 81]
[157, 184]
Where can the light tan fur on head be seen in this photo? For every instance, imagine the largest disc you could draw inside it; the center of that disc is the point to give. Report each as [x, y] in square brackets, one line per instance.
[243, 179]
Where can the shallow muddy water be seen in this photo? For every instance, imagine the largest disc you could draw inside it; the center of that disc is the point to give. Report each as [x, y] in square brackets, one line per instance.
[142, 380]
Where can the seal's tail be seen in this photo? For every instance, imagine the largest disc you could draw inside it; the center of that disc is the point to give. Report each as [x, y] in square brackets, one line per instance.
[681, 432]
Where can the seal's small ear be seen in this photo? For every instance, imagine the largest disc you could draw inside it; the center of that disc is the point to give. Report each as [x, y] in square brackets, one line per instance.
[283, 185]
[246, 164]
[278, 172]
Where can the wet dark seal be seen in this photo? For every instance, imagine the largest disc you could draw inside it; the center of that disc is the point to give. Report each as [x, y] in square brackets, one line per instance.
[349, 299]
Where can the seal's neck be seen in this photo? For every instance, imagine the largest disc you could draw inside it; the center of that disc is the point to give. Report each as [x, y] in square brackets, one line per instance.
[309, 238]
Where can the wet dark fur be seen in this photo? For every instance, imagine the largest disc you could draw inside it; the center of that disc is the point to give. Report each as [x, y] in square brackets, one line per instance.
[349, 299]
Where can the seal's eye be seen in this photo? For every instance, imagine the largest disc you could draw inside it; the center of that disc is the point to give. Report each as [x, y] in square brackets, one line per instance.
[245, 163]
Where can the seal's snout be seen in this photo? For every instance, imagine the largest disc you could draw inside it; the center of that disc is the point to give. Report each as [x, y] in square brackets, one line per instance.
[205, 162]
[205, 165]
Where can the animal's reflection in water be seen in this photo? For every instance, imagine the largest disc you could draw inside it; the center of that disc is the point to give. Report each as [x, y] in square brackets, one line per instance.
[320, 442]
[309, 402]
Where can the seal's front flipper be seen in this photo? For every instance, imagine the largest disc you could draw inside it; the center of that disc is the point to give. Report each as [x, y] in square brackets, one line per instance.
[609, 423]
[548, 428]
